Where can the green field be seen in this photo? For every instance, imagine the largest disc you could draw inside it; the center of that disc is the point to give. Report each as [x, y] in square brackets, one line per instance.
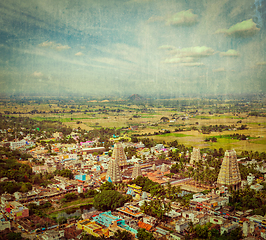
[173, 135]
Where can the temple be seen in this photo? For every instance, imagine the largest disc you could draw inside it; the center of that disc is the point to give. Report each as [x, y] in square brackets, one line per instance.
[113, 172]
[119, 155]
[136, 171]
[195, 156]
[229, 174]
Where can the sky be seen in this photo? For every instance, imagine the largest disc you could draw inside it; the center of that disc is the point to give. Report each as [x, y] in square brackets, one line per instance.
[123, 47]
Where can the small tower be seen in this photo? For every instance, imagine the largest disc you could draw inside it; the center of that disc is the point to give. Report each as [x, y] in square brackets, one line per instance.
[113, 172]
[153, 168]
[163, 168]
[136, 171]
[119, 155]
[229, 174]
[195, 156]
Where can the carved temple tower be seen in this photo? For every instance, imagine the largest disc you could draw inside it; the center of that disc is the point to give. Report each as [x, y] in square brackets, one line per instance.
[119, 155]
[113, 172]
[195, 156]
[136, 171]
[229, 174]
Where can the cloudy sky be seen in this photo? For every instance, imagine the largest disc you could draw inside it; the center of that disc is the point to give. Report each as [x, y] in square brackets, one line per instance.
[149, 47]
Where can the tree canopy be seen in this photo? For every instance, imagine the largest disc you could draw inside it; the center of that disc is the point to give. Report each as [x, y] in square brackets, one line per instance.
[108, 200]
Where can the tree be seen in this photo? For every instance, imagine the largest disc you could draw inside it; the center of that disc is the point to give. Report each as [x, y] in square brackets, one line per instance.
[144, 235]
[123, 235]
[164, 119]
[107, 186]
[71, 196]
[108, 200]
[14, 236]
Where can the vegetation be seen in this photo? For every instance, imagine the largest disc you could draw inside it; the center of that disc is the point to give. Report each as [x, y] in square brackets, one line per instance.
[156, 208]
[144, 235]
[69, 197]
[208, 231]
[65, 173]
[107, 186]
[247, 198]
[38, 209]
[108, 200]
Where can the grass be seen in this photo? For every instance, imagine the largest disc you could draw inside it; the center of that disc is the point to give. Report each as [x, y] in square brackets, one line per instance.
[83, 201]
[217, 117]
[173, 135]
[230, 137]
[261, 141]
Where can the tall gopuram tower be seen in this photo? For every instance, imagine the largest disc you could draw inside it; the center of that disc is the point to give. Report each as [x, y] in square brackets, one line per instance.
[119, 155]
[136, 171]
[113, 172]
[195, 156]
[229, 174]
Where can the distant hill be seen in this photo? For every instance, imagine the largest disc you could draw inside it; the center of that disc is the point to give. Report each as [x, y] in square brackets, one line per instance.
[136, 97]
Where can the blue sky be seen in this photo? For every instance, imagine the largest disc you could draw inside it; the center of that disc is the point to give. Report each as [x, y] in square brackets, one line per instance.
[149, 47]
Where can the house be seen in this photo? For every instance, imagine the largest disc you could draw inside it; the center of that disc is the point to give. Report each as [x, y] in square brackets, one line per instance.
[17, 210]
[256, 187]
[52, 235]
[201, 219]
[228, 227]
[5, 225]
[175, 236]
[149, 220]
[217, 220]
[181, 225]
[92, 228]
[130, 211]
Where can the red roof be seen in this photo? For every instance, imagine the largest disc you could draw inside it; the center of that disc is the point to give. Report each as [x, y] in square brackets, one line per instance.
[144, 225]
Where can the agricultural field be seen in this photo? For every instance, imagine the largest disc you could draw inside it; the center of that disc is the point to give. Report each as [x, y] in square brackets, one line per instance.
[162, 120]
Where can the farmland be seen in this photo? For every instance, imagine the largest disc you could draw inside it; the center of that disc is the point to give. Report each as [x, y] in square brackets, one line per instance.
[183, 120]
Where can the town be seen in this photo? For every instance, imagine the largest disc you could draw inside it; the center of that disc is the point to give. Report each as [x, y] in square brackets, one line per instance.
[63, 183]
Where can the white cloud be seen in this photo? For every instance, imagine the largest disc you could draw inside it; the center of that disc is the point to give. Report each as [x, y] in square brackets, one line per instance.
[37, 74]
[242, 29]
[196, 52]
[54, 45]
[167, 47]
[230, 53]
[183, 18]
[219, 70]
[155, 19]
[192, 64]
[79, 54]
[261, 63]
[178, 60]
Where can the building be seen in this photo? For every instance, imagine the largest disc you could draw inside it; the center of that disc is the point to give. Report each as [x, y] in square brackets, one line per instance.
[250, 178]
[92, 228]
[163, 168]
[181, 225]
[113, 172]
[136, 171]
[228, 227]
[17, 210]
[195, 156]
[119, 155]
[108, 220]
[131, 211]
[17, 144]
[229, 174]
[134, 188]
